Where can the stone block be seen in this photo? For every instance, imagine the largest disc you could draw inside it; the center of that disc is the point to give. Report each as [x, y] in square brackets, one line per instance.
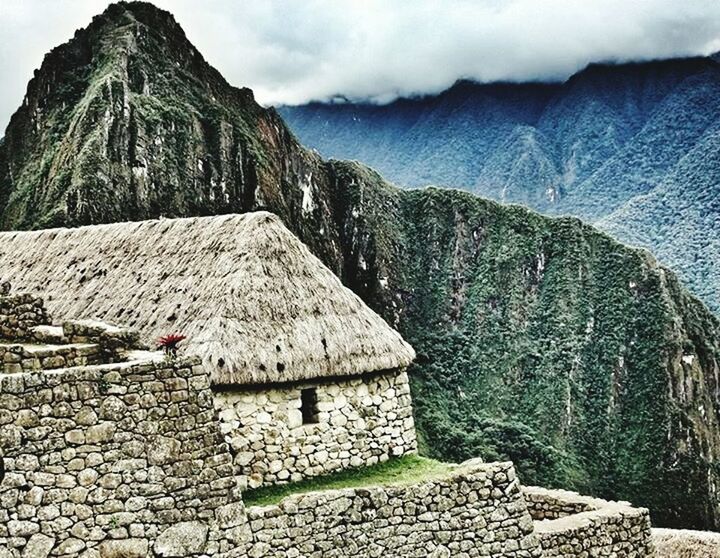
[184, 539]
[39, 546]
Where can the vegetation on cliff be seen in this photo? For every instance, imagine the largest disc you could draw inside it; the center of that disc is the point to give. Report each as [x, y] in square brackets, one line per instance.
[540, 340]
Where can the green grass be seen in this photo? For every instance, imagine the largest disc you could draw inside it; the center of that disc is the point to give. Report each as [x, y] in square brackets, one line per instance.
[403, 470]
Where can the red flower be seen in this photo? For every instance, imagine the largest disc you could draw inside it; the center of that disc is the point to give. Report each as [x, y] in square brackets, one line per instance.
[169, 343]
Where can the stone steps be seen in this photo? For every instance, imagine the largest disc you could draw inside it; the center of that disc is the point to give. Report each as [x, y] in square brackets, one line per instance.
[28, 357]
[47, 334]
[29, 342]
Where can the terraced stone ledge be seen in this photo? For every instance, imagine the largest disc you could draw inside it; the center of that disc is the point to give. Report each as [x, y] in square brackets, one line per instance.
[28, 357]
[29, 341]
[570, 525]
[476, 509]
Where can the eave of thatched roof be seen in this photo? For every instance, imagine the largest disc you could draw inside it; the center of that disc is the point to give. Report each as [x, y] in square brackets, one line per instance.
[255, 303]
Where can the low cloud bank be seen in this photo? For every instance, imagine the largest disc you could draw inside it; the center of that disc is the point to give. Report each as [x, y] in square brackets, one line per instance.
[291, 52]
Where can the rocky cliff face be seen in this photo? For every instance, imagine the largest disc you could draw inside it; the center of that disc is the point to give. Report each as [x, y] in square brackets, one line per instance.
[541, 340]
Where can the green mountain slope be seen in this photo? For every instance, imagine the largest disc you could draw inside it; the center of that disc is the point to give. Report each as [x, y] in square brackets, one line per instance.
[610, 136]
[547, 342]
[539, 339]
[679, 218]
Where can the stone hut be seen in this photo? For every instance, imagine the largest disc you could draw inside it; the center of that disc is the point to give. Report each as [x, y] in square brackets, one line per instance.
[307, 378]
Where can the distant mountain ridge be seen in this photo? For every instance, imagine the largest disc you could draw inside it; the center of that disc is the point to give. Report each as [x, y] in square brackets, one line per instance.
[614, 145]
[539, 340]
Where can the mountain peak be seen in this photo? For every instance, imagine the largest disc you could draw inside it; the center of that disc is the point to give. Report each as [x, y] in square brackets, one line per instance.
[140, 18]
[121, 14]
[132, 41]
[142, 11]
[125, 15]
[109, 96]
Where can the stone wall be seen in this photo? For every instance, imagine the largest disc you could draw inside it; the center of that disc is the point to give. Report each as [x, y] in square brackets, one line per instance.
[17, 358]
[111, 461]
[23, 319]
[19, 314]
[128, 461]
[602, 528]
[360, 421]
[114, 342]
[553, 504]
[476, 510]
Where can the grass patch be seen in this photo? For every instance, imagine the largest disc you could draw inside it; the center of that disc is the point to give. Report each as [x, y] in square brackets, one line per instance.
[403, 470]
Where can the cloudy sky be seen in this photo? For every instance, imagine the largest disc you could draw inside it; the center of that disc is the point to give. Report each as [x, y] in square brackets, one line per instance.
[294, 51]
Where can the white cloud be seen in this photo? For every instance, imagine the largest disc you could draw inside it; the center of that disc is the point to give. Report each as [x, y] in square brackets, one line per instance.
[291, 51]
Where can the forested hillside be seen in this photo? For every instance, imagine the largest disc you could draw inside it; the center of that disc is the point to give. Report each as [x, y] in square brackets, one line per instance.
[541, 340]
[613, 145]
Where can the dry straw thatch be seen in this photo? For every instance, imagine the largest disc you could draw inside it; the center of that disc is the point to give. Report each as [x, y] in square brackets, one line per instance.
[671, 543]
[256, 305]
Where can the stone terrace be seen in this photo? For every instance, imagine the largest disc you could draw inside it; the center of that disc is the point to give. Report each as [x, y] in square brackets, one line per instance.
[28, 357]
[570, 525]
[28, 341]
[127, 460]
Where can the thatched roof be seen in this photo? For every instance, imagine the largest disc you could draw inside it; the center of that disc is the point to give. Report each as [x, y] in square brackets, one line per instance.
[256, 305]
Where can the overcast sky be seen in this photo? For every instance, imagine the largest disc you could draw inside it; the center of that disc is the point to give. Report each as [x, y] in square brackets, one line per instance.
[294, 51]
